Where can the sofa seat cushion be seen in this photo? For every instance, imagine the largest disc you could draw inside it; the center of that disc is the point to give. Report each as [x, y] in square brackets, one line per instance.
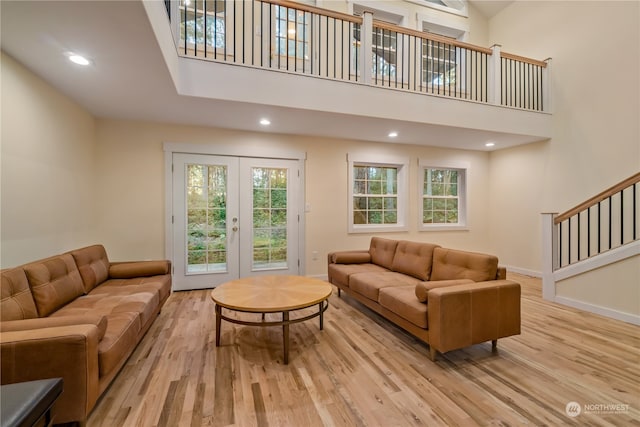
[119, 341]
[369, 284]
[17, 300]
[414, 259]
[161, 284]
[422, 289]
[453, 264]
[54, 282]
[382, 251]
[402, 301]
[93, 264]
[143, 304]
[340, 273]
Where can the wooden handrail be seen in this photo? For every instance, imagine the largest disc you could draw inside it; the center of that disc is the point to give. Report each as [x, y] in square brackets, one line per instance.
[386, 26]
[316, 10]
[598, 198]
[430, 36]
[523, 59]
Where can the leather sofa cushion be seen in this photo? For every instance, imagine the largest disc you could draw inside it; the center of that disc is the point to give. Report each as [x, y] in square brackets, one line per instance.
[128, 270]
[382, 251]
[414, 259]
[422, 289]
[119, 341]
[155, 284]
[143, 304]
[16, 298]
[340, 273]
[54, 282]
[453, 264]
[370, 284]
[403, 302]
[126, 316]
[93, 264]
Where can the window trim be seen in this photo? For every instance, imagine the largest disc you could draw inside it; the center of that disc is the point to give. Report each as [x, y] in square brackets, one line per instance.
[463, 195]
[402, 163]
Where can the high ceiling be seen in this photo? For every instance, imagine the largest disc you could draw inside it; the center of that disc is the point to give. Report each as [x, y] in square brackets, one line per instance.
[130, 79]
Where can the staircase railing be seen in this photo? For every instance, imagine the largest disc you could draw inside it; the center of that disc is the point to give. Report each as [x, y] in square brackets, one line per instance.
[604, 222]
[298, 38]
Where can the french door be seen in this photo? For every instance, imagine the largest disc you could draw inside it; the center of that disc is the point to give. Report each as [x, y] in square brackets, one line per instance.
[233, 217]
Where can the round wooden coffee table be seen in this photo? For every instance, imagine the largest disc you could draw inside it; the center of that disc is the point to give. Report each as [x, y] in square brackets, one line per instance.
[271, 294]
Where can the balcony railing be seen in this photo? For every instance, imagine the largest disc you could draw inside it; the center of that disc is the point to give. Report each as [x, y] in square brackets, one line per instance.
[298, 38]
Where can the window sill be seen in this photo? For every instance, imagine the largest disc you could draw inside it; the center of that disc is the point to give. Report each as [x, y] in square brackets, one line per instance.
[376, 229]
[443, 227]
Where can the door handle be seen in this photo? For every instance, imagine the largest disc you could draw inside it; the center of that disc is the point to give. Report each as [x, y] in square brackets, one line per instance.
[235, 228]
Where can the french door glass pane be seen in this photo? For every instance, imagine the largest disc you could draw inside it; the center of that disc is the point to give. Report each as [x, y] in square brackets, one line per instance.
[269, 238]
[206, 219]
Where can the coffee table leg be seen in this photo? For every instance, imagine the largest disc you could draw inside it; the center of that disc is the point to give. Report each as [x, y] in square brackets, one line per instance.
[285, 335]
[218, 322]
[321, 316]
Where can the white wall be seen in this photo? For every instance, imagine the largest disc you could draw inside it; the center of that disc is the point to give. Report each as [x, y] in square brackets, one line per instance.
[130, 181]
[47, 160]
[595, 48]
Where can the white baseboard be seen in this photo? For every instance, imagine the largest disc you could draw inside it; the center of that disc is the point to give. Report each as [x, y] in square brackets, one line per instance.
[525, 271]
[603, 311]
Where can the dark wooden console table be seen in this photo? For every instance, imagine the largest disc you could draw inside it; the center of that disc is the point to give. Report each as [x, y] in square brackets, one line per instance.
[28, 403]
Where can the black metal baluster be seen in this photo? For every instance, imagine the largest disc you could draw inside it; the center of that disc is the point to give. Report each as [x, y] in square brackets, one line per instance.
[599, 225]
[270, 32]
[610, 222]
[635, 214]
[578, 236]
[589, 232]
[327, 45]
[342, 49]
[304, 41]
[234, 31]
[204, 35]
[244, 14]
[185, 28]
[621, 217]
[195, 28]
[569, 241]
[560, 244]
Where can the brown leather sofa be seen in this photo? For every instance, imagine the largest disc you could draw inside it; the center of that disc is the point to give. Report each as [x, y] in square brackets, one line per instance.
[79, 317]
[449, 299]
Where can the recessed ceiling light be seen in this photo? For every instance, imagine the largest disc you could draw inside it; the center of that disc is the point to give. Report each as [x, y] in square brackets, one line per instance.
[265, 122]
[78, 59]
[393, 134]
[490, 144]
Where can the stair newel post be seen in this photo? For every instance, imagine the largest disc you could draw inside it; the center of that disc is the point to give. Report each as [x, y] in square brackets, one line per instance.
[494, 73]
[549, 255]
[366, 46]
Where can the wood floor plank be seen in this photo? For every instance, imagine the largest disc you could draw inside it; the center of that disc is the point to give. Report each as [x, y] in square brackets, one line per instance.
[361, 370]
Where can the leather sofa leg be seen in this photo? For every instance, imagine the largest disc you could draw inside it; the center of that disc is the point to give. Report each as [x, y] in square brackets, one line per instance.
[432, 353]
[494, 345]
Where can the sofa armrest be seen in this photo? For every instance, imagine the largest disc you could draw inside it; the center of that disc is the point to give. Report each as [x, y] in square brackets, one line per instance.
[469, 314]
[350, 257]
[423, 288]
[68, 352]
[97, 320]
[129, 270]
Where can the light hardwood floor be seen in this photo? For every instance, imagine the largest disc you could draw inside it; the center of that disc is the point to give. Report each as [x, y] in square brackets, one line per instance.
[363, 371]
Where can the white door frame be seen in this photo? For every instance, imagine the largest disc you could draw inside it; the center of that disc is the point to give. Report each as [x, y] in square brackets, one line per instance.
[253, 150]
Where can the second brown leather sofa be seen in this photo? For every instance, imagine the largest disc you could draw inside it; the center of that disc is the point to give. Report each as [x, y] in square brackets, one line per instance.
[448, 298]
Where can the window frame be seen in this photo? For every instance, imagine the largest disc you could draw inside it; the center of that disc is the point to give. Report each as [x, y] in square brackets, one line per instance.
[402, 164]
[463, 195]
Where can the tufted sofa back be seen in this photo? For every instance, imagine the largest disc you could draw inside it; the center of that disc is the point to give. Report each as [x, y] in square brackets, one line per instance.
[16, 298]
